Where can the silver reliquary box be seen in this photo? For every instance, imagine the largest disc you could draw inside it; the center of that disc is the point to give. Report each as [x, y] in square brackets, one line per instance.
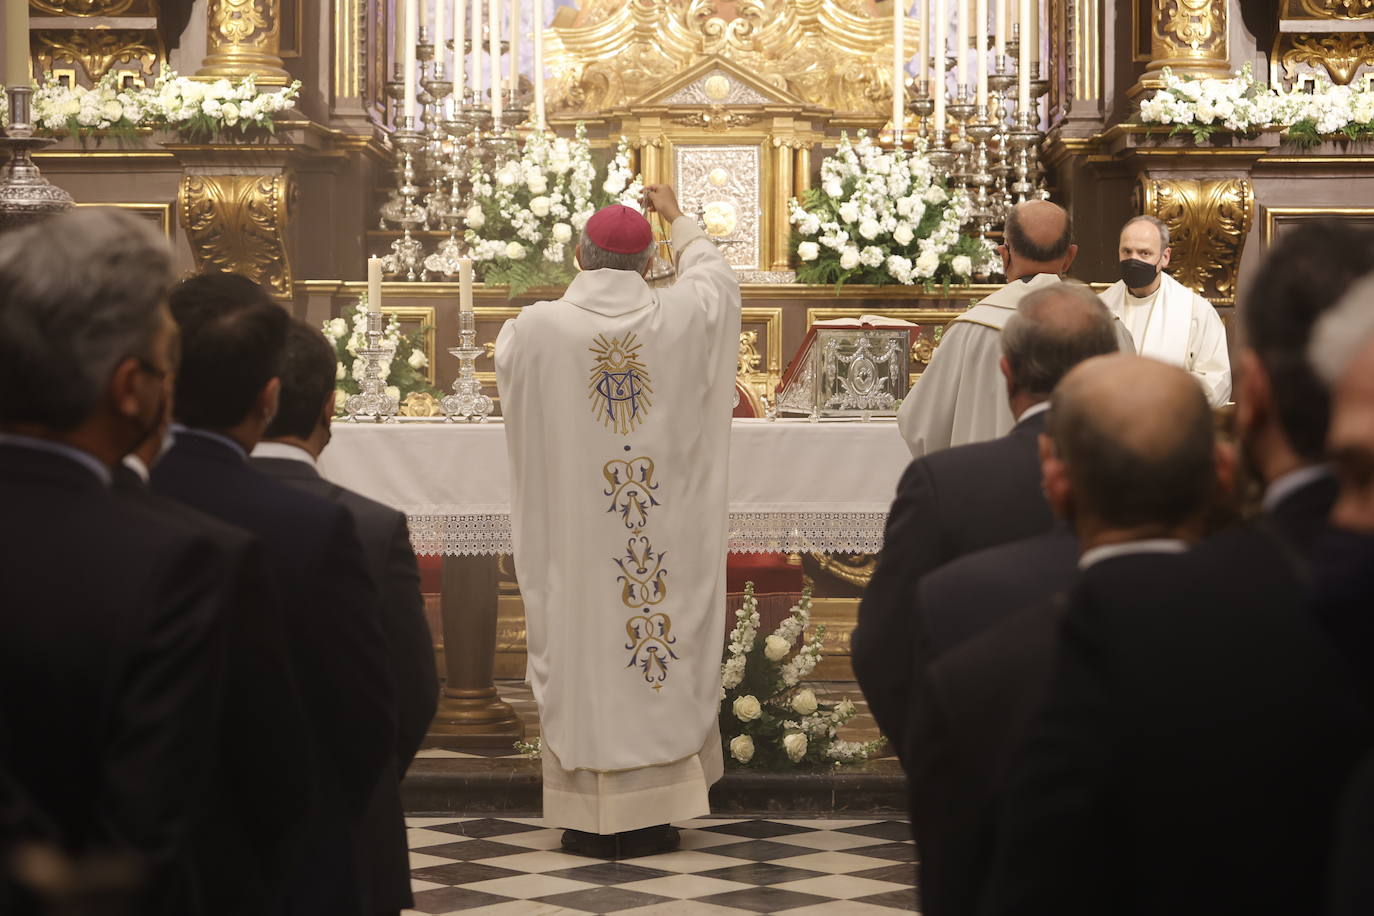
[849, 367]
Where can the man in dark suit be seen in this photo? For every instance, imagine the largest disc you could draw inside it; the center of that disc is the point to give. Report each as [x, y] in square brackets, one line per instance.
[109, 677]
[959, 500]
[233, 337]
[1282, 408]
[1199, 727]
[975, 702]
[288, 453]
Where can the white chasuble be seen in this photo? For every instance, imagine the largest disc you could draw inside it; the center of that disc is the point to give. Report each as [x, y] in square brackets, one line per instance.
[617, 402]
[962, 395]
[1177, 326]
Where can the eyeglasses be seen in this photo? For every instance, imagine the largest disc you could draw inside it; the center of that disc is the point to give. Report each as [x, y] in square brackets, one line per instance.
[155, 371]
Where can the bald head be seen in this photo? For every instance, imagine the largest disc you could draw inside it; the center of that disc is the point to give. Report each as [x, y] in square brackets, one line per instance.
[1054, 329]
[1039, 239]
[1136, 438]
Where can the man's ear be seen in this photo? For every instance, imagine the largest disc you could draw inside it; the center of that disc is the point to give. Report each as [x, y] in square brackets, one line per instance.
[1054, 479]
[1254, 396]
[577, 255]
[327, 412]
[123, 387]
[1068, 259]
[268, 401]
[1005, 255]
[1164, 261]
[1004, 364]
[1224, 459]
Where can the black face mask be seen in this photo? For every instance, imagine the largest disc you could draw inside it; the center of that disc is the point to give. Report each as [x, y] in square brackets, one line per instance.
[1138, 274]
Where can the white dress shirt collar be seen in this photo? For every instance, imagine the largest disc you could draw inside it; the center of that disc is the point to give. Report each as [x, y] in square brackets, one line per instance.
[135, 464]
[85, 459]
[1032, 411]
[1147, 545]
[284, 451]
[1285, 485]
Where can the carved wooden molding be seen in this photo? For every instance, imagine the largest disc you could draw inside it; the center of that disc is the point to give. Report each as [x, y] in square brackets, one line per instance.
[238, 223]
[1208, 220]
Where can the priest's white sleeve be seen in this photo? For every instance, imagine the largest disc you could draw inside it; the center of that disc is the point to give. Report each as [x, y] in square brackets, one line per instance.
[1208, 359]
[701, 267]
[961, 397]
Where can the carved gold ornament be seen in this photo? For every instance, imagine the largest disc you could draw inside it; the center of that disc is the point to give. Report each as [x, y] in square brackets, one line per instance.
[421, 404]
[831, 53]
[238, 223]
[97, 50]
[1208, 220]
[1192, 24]
[717, 118]
[82, 7]
[1341, 54]
[1339, 9]
[244, 38]
[854, 568]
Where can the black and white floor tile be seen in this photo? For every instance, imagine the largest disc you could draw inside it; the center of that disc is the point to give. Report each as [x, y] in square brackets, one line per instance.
[515, 866]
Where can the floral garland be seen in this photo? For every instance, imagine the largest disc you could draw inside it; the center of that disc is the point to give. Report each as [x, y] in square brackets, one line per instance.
[884, 216]
[403, 370]
[1203, 106]
[191, 107]
[769, 721]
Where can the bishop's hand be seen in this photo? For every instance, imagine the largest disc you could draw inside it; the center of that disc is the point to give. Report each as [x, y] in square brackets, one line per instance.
[661, 199]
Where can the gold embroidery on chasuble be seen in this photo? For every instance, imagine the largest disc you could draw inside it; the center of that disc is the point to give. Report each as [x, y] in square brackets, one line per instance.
[619, 387]
[630, 487]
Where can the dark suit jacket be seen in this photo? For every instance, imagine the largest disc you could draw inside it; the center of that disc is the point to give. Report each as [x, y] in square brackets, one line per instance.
[110, 657]
[970, 721]
[1302, 514]
[261, 792]
[1352, 878]
[949, 503]
[386, 541]
[1197, 736]
[336, 641]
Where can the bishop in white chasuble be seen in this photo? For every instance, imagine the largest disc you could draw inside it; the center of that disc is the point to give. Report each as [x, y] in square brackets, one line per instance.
[617, 402]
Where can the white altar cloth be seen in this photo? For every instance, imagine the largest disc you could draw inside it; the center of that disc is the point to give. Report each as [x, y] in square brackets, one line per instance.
[795, 486]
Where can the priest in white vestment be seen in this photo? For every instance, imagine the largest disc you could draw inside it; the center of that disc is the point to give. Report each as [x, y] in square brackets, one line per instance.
[962, 396]
[617, 401]
[1168, 321]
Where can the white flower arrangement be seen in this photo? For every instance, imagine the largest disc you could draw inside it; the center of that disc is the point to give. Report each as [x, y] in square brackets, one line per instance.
[402, 371]
[885, 216]
[191, 107]
[1201, 107]
[768, 721]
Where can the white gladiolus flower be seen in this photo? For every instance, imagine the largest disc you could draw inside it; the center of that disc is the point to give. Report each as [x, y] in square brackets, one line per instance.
[795, 745]
[614, 184]
[562, 233]
[747, 708]
[903, 234]
[775, 648]
[804, 703]
[808, 251]
[417, 359]
[539, 206]
[742, 748]
[869, 229]
[962, 265]
[515, 251]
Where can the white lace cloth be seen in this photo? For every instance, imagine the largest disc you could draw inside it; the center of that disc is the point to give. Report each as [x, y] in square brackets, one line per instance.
[795, 486]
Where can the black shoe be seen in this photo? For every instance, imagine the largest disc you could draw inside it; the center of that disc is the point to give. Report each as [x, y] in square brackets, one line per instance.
[596, 845]
[649, 841]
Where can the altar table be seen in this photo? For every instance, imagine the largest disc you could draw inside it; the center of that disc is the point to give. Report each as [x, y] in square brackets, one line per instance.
[796, 486]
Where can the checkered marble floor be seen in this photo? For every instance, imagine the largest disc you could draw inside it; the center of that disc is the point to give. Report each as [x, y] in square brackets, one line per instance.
[516, 866]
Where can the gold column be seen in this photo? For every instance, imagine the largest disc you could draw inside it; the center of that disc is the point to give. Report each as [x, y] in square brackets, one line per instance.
[801, 173]
[1189, 37]
[347, 66]
[243, 38]
[782, 191]
[651, 161]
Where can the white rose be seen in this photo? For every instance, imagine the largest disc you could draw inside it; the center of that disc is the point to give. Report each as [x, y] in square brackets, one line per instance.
[808, 251]
[849, 212]
[742, 748]
[537, 184]
[337, 328]
[775, 648]
[474, 218]
[417, 359]
[849, 257]
[230, 112]
[747, 709]
[539, 206]
[560, 164]
[506, 177]
[211, 107]
[804, 703]
[869, 229]
[339, 373]
[111, 110]
[562, 233]
[962, 265]
[834, 188]
[935, 195]
[795, 745]
[515, 251]
[903, 234]
[393, 392]
[927, 262]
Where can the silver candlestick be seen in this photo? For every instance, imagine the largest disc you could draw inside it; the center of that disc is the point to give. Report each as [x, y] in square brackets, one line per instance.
[25, 195]
[407, 252]
[372, 400]
[467, 400]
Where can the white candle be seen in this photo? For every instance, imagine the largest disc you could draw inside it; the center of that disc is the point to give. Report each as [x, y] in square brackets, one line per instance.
[961, 43]
[999, 32]
[465, 284]
[494, 51]
[539, 24]
[1032, 30]
[1023, 65]
[439, 33]
[374, 284]
[939, 85]
[980, 60]
[18, 71]
[923, 43]
[399, 33]
[898, 67]
[409, 58]
[515, 46]
[460, 34]
[477, 51]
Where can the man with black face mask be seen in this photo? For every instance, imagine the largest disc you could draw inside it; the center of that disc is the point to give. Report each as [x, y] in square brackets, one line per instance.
[1168, 321]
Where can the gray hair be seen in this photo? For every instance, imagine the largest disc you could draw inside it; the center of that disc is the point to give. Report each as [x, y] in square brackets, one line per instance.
[594, 257]
[1160, 226]
[1343, 331]
[1054, 329]
[78, 293]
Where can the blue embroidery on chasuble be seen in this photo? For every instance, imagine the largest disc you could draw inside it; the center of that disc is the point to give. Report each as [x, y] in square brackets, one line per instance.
[619, 387]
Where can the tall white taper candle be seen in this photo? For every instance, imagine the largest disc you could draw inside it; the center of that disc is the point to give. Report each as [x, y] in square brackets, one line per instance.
[539, 25]
[961, 42]
[460, 34]
[494, 52]
[939, 84]
[898, 67]
[515, 46]
[409, 58]
[465, 284]
[1000, 28]
[374, 284]
[477, 51]
[923, 42]
[980, 60]
[1023, 65]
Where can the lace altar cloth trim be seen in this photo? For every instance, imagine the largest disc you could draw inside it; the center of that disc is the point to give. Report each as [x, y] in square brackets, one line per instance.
[750, 532]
